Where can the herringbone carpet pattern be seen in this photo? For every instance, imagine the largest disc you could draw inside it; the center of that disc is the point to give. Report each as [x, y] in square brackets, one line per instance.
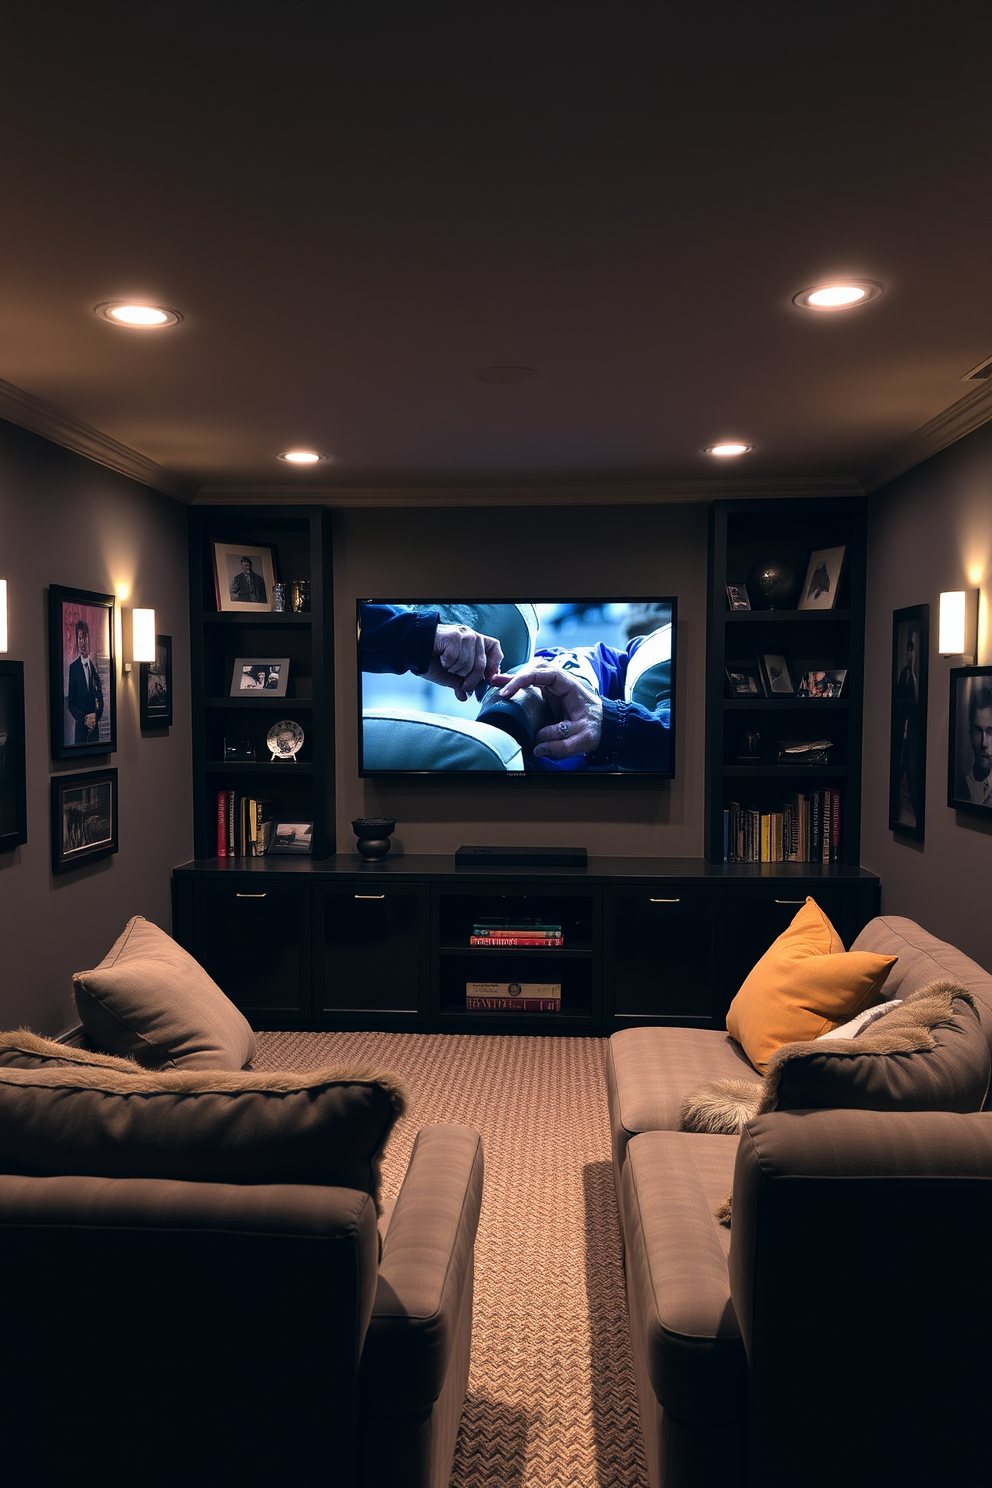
[551, 1401]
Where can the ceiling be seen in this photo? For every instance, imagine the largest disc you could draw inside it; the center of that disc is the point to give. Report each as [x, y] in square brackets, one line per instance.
[357, 207]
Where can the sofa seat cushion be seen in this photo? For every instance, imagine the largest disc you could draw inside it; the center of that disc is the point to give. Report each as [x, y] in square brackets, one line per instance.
[804, 985]
[149, 999]
[323, 1127]
[651, 1071]
[683, 1326]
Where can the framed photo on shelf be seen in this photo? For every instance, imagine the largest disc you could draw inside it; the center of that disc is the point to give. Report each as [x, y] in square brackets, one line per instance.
[776, 674]
[13, 790]
[828, 683]
[291, 837]
[819, 591]
[969, 751]
[84, 818]
[82, 672]
[260, 676]
[737, 597]
[908, 738]
[155, 686]
[243, 576]
[744, 682]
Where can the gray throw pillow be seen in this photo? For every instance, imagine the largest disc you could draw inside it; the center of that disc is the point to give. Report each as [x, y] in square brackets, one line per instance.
[150, 1000]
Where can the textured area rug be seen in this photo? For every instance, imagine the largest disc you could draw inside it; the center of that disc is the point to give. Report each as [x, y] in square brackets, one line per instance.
[551, 1400]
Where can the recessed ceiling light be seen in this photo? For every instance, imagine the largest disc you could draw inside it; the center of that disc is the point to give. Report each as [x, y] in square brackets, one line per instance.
[503, 374]
[843, 295]
[138, 317]
[301, 456]
[730, 447]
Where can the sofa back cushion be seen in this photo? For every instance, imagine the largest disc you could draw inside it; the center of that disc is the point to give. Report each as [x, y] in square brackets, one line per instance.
[804, 985]
[327, 1126]
[149, 999]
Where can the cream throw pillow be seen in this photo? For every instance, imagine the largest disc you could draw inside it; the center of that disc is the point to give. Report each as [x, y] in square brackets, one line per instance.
[804, 985]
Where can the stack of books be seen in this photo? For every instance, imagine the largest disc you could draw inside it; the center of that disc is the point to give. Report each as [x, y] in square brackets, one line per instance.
[513, 997]
[244, 825]
[807, 829]
[515, 932]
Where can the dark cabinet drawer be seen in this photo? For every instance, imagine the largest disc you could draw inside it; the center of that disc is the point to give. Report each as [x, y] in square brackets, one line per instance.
[667, 949]
[255, 944]
[372, 949]
[757, 915]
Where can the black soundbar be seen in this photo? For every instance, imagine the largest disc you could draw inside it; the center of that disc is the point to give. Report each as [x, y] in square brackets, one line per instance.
[521, 857]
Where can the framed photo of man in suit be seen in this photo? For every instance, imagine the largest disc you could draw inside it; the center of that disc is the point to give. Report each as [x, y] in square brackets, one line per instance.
[82, 672]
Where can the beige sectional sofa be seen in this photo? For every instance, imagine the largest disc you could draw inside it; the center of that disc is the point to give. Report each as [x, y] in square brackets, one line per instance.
[836, 1333]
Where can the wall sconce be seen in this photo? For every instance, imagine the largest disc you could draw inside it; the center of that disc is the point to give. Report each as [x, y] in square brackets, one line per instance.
[3, 614]
[957, 627]
[142, 635]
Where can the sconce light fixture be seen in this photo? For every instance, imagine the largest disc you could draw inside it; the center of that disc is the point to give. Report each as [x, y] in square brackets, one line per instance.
[3, 614]
[957, 628]
[142, 635]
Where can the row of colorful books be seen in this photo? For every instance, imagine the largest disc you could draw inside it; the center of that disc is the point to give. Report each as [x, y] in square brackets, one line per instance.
[807, 829]
[244, 825]
[513, 997]
[518, 932]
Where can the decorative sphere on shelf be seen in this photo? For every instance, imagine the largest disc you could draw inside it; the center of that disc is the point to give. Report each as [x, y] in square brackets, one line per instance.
[772, 583]
[373, 835]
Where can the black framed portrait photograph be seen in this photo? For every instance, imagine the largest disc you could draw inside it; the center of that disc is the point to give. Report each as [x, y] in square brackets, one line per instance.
[243, 576]
[82, 672]
[84, 818]
[908, 739]
[155, 687]
[744, 682]
[13, 790]
[969, 752]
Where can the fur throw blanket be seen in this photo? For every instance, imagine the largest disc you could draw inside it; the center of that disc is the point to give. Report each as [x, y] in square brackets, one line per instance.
[723, 1106]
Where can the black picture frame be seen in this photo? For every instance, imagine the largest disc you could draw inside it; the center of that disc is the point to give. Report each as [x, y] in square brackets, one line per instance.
[13, 786]
[84, 818]
[69, 693]
[776, 674]
[744, 682]
[971, 694]
[908, 737]
[291, 837]
[822, 683]
[737, 597]
[155, 687]
[256, 677]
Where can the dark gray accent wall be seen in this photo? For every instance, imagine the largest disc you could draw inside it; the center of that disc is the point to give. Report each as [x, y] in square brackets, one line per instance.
[930, 530]
[65, 520]
[544, 553]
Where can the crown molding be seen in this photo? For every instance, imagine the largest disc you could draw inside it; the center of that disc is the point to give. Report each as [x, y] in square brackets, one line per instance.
[614, 493]
[43, 418]
[963, 417]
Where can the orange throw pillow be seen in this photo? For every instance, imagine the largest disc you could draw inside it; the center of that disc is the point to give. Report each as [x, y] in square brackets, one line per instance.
[804, 985]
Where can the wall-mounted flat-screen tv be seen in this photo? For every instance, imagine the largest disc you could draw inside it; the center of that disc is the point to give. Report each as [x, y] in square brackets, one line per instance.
[517, 687]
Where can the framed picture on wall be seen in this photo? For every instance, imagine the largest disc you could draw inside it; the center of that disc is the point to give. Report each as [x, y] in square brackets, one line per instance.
[908, 738]
[13, 793]
[155, 686]
[969, 753]
[84, 818]
[82, 672]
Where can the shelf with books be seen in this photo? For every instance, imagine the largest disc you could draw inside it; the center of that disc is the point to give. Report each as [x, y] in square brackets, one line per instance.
[788, 675]
[294, 649]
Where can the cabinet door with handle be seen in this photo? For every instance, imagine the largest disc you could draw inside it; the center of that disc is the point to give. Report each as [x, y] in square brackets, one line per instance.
[255, 941]
[665, 956]
[758, 913]
[372, 955]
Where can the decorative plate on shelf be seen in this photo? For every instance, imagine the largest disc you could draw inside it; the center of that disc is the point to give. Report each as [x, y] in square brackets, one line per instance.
[284, 739]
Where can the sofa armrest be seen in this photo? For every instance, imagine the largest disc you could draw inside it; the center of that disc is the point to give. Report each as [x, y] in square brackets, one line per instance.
[426, 1271]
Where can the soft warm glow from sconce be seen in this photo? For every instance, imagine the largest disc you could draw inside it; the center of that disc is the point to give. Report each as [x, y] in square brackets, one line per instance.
[3, 614]
[957, 626]
[143, 635]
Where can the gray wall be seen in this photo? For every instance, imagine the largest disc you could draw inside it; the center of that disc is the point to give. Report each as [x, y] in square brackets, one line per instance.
[544, 553]
[929, 531]
[67, 521]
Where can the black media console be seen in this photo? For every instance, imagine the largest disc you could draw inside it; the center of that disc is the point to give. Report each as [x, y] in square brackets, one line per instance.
[348, 944]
